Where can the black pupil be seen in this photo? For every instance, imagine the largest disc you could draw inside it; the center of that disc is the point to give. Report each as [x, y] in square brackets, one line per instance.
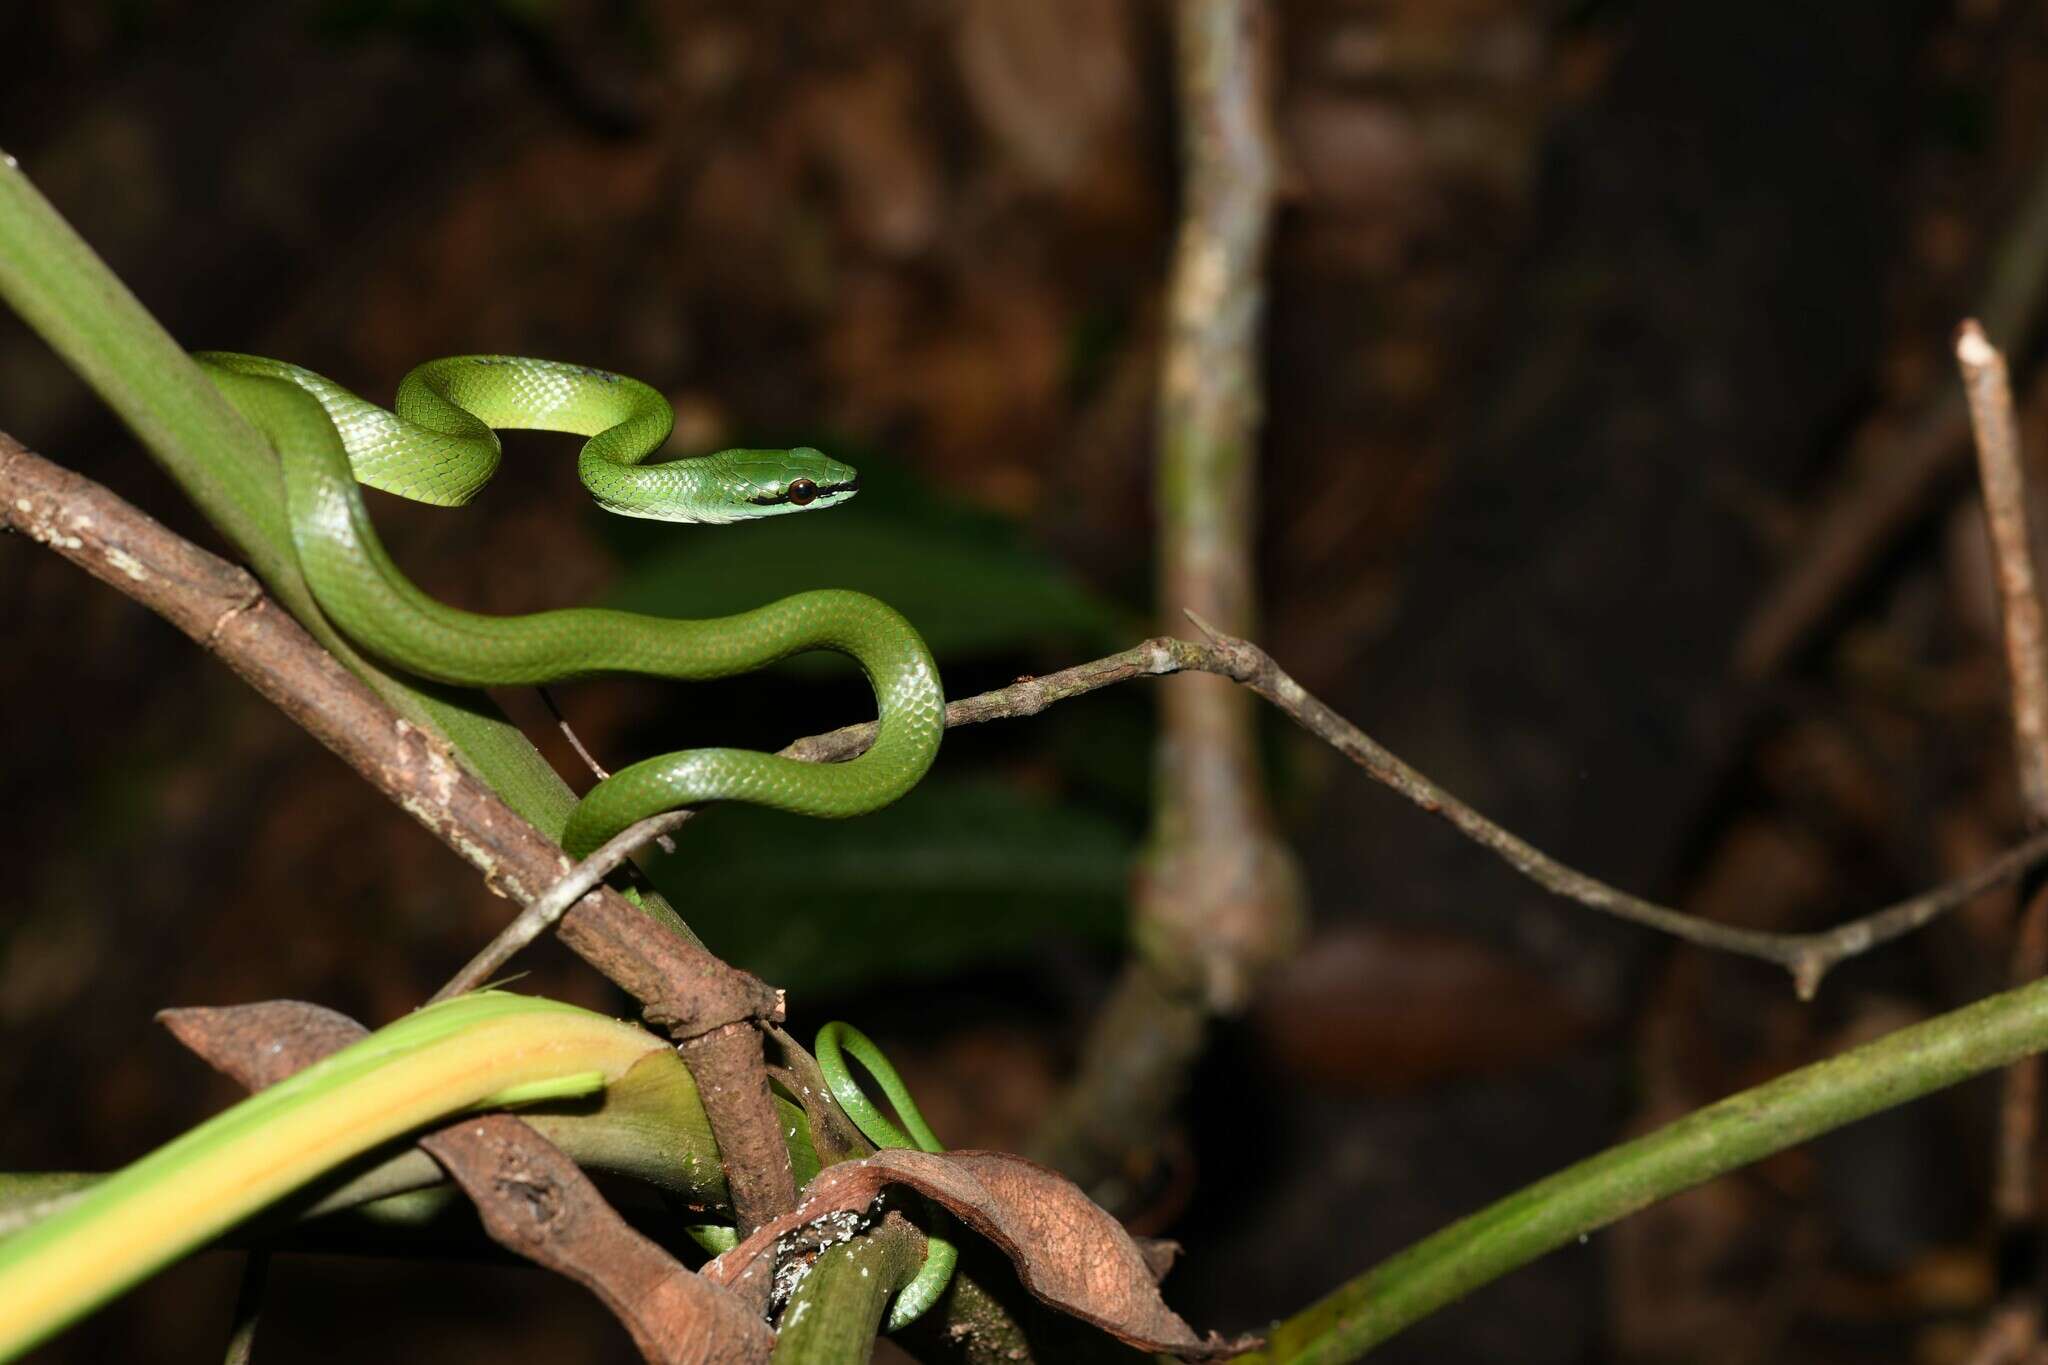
[802, 492]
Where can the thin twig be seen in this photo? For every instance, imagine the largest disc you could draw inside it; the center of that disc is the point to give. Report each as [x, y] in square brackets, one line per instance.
[2005, 511]
[547, 699]
[597, 770]
[2014, 1329]
[1807, 956]
[541, 913]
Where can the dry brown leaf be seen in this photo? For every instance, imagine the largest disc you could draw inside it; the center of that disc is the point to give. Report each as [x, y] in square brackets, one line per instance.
[259, 1045]
[1068, 1252]
[535, 1201]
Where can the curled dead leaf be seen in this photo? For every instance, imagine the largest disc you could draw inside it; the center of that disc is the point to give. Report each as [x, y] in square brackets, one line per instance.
[258, 1045]
[1068, 1252]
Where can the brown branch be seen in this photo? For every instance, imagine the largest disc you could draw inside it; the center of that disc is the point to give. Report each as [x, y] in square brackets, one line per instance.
[1217, 901]
[2003, 479]
[733, 1083]
[685, 988]
[222, 608]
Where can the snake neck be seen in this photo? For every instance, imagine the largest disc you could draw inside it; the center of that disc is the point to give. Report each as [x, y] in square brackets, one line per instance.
[713, 490]
[686, 491]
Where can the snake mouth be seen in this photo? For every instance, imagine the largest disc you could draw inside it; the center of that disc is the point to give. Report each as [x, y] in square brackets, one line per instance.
[824, 491]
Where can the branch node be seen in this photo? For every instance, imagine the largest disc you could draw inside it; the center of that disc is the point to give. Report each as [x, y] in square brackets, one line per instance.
[1807, 969]
[252, 598]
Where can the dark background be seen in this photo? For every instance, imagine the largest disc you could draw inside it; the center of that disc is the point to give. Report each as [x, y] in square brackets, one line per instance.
[1580, 315]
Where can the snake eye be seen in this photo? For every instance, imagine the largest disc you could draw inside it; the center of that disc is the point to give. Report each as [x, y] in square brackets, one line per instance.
[802, 492]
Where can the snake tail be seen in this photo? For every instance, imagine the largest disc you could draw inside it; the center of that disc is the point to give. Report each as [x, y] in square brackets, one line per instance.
[835, 1042]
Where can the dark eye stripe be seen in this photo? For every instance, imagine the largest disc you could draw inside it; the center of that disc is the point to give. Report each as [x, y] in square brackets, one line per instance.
[817, 491]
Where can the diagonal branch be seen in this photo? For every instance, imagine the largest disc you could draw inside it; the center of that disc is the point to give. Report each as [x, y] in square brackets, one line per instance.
[682, 986]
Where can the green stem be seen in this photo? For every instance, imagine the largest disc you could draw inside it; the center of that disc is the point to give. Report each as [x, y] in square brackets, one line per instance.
[50, 276]
[835, 1313]
[480, 1051]
[67, 294]
[1713, 1141]
[648, 1127]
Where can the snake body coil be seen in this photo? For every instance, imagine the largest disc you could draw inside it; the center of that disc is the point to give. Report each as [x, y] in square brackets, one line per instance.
[440, 447]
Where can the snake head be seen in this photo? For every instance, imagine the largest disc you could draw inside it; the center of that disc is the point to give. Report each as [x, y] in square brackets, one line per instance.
[769, 483]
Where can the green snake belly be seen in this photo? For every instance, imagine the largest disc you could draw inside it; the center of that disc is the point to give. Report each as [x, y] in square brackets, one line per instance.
[440, 447]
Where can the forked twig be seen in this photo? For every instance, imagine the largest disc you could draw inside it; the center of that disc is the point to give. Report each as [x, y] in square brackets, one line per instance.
[545, 909]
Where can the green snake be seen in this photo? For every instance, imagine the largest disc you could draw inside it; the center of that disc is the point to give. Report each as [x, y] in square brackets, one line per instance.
[440, 447]
[835, 1040]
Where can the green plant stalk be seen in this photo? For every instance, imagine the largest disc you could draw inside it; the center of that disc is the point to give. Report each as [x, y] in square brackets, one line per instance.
[67, 294]
[1739, 1130]
[90, 319]
[396, 1223]
[483, 1050]
[649, 1126]
[833, 1316]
